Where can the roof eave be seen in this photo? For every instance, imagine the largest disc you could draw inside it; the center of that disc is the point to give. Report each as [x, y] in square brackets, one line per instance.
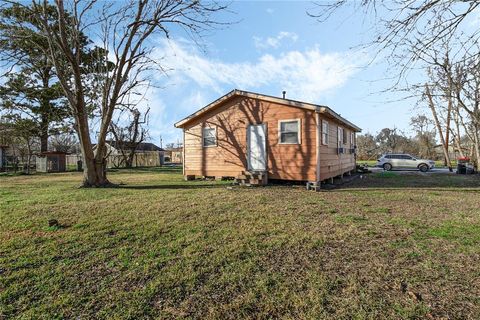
[338, 117]
[287, 102]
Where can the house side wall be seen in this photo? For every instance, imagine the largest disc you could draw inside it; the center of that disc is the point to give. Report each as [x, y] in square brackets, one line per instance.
[333, 163]
[284, 161]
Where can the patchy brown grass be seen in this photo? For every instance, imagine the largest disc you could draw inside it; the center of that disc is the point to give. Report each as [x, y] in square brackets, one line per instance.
[163, 248]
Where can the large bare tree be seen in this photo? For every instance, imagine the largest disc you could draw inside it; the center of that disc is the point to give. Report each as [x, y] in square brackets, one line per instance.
[406, 30]
[418, 37]
[125, 30]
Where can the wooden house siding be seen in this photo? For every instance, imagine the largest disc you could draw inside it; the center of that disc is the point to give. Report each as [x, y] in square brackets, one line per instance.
[284, 161]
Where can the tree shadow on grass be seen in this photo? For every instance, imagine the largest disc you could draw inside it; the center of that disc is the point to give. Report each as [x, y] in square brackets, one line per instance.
[173, 186]
[390, 181]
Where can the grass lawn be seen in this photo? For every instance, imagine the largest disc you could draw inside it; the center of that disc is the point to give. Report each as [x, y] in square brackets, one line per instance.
[385, 246]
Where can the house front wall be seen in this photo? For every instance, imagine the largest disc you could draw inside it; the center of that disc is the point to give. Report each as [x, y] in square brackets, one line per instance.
[284, 161]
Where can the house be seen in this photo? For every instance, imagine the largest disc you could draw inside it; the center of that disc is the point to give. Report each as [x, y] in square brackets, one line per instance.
[244, 132]
[174, 155]
[51, 161]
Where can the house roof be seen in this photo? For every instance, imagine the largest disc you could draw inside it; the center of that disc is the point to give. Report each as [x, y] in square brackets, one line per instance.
[287, 102]
[143, 146]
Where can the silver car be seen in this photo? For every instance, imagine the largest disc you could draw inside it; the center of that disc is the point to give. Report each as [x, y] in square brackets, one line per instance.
[404, 161]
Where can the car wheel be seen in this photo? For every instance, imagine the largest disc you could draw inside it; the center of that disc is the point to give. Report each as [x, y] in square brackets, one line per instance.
[423, 167]
[387, 167]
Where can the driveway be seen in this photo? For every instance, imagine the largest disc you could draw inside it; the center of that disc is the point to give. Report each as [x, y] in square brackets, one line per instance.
[442, 171]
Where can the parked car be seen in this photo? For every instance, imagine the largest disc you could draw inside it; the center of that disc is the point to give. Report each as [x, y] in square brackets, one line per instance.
[404, 161]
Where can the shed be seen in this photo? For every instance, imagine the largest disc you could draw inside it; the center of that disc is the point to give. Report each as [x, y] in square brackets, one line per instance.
[244, 132]
[51, 161]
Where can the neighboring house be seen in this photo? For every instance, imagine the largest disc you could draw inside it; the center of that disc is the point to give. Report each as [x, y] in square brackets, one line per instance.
[174, 155]
[244, 132]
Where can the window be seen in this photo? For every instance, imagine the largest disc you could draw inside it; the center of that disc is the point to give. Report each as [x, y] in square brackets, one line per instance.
[325, 129]
[209, 137]
[289, 131]
[340, 132]
[345, 136]
[352, 139]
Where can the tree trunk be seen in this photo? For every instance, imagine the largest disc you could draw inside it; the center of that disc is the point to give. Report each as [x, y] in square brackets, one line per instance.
[477, 149]
[129, 160]
[45, 109]
[94, 170]
[456, 140]
[439, 127]
[29, 156]
[94, 174]
[44, 137]
[457, 133]
[447, 131]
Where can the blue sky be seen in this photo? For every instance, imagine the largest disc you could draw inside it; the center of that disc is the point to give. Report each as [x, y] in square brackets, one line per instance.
[275, 46]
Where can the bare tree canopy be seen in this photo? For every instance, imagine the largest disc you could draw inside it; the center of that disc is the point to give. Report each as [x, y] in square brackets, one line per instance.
[129, 137]
[122, 36]
[435, 41]
[407, 30]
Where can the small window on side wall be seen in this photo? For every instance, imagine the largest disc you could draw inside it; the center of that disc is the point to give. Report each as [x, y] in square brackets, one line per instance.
[325, 128]
[340, 136]
[289, 131]
[209, 136]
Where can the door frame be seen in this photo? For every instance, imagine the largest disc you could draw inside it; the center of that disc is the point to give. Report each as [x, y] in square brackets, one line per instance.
[265, 128]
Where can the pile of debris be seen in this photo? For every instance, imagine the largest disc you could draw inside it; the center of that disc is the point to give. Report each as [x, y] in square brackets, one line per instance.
[363, 168]
[464, 166]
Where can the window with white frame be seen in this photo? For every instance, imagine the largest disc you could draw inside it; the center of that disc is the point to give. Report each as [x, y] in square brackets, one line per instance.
[325, 129]
[209, 136]
[345, 136]
[289, 131]
[352, 139]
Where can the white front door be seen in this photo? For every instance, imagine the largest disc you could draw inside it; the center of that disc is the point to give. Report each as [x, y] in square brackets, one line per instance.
[257, 147]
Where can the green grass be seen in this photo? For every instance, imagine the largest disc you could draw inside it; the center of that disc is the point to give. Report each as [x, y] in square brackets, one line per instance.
[159, 247]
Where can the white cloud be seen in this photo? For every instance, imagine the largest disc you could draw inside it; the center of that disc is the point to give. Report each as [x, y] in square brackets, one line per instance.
[274, 42]
[270, 10]
[306, 75]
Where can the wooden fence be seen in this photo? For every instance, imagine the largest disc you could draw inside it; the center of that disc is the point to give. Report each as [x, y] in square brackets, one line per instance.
[140, 159]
